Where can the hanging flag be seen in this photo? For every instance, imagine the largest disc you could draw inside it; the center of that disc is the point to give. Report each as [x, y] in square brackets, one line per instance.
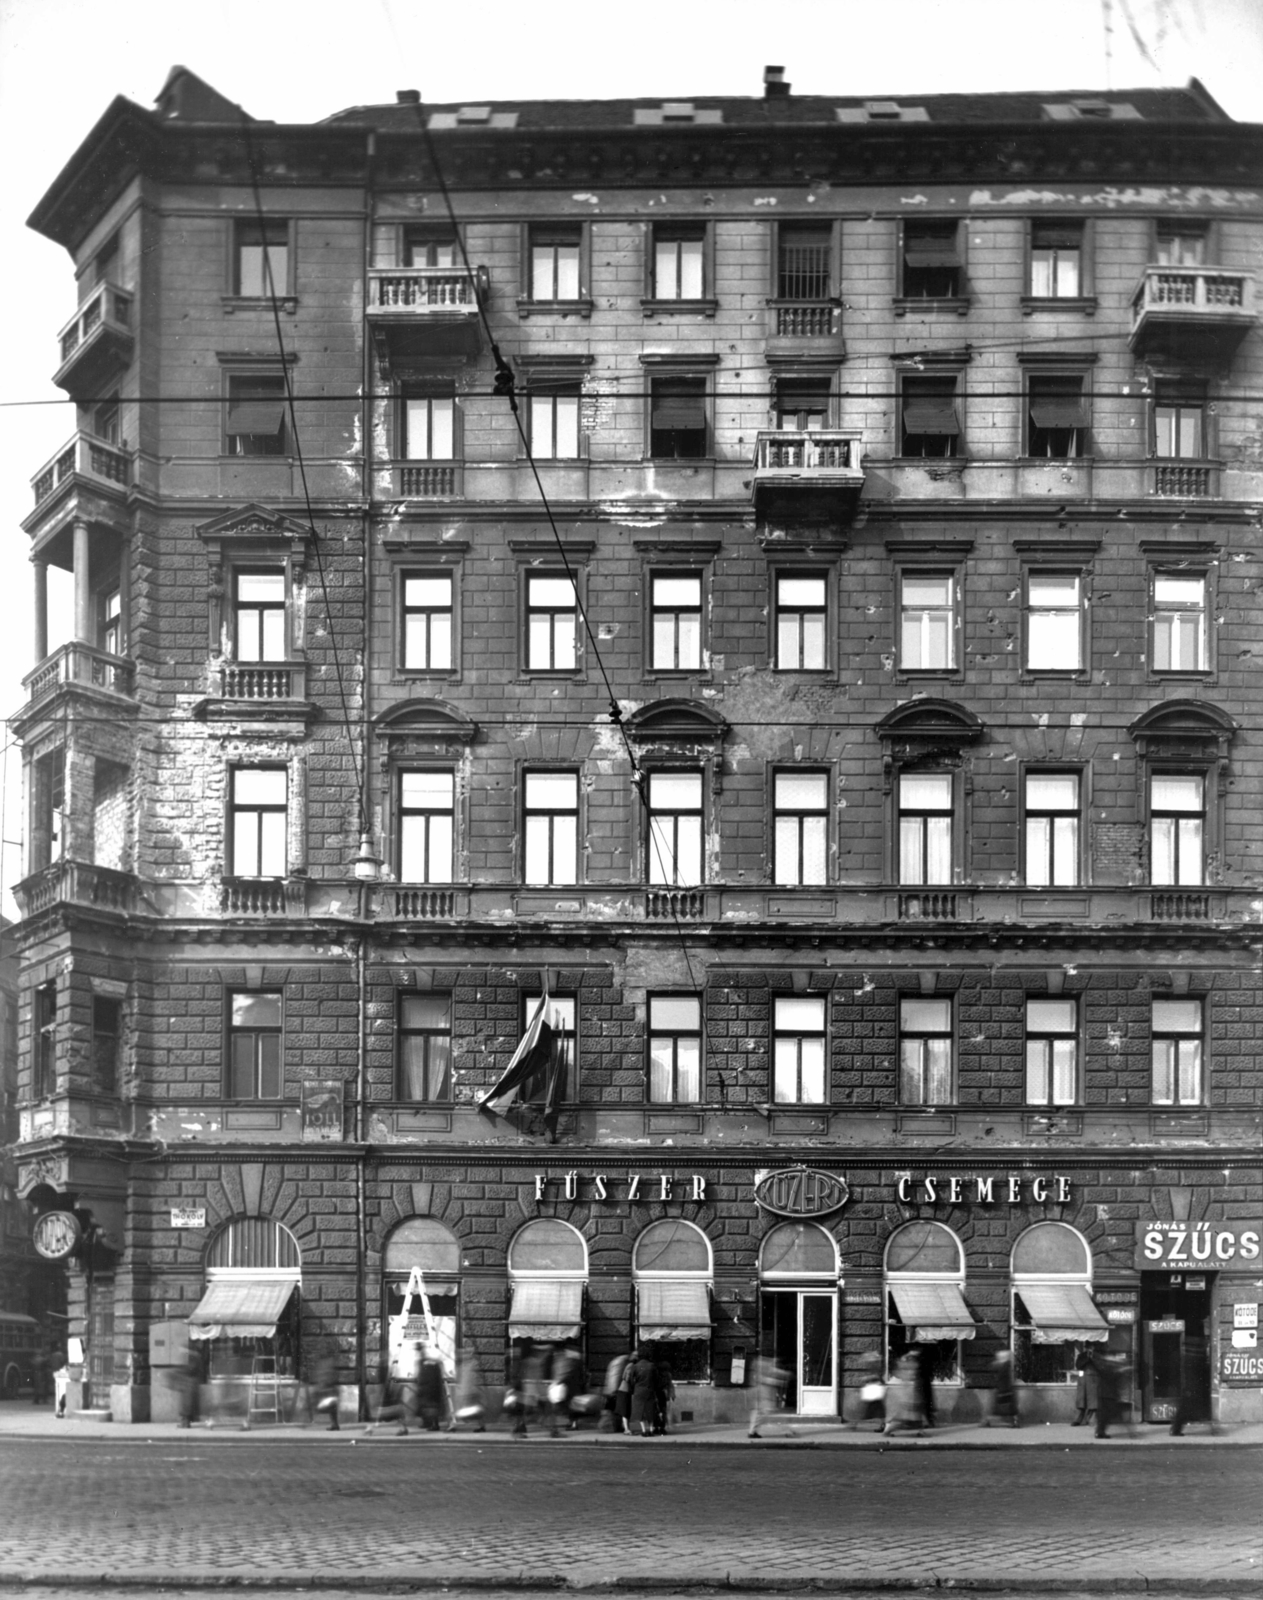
[531, 1076]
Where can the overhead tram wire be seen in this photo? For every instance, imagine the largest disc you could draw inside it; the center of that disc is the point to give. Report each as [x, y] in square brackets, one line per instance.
[270, 281]
[506, 387]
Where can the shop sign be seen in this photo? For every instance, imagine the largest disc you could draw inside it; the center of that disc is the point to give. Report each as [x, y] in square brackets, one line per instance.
[800, 1192]
[57, 1235]
[1167, 1325]
[1206, 1245]
[643, 1186]
[1245, 1316]
[1245, 1338]
[1115, 1297]
[1123, 1316]
[188, 1216]
[322, 1111]
[1009, 1188]
[1194, 1285]
[1243, 1366]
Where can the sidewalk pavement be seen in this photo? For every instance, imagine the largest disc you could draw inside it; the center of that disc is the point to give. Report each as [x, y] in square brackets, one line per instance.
[20, 1419]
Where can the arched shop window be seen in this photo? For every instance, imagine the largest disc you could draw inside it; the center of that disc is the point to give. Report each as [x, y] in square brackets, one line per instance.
[421, 1254]
[1053, 1313]
[798, 1250]
[251, 1304]
[673, 1272]
[548, 1267]
[925, 1296]
[798, 1313]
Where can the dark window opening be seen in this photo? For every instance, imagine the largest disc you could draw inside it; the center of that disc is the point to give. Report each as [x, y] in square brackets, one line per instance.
[107, 1037]
[1057, 417]
[44, 1065]
[931, 426]
[804, 262]
[931, 261]
[256, 415]
[677, 423]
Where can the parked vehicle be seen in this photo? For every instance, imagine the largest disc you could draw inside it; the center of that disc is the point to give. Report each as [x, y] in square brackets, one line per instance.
[21, 1339]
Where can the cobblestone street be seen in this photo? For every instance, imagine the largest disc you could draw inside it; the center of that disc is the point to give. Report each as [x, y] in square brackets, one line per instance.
[436, 1510]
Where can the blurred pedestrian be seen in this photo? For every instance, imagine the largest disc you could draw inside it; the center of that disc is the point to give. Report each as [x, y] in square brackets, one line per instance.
[431, 1389]
[644, 1386]
[324, 1389]
[767, 1392]
[386, 1401]
[1086, 1388]
[1004, 1393]
[611, 1421]
[469, 1401]
[187, 1383]
[872, 1390]
[528, 1382]
[664, 1393]
[903, 1397]
[927, 1358]
[41, 1376]
[61, 1383]
[566, 1383]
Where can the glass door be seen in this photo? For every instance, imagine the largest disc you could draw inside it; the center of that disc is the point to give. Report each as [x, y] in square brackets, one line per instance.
[799, 1331]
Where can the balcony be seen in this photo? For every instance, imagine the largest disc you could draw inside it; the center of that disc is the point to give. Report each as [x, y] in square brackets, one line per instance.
[80, 663]
[419, 313]
[798, 465]
[804, 328]
[1185, 480]
[263, 897]
[1192, 313]
[418, 480]
[86, 465]
[257, 691]
[79, 883]
[96, 343]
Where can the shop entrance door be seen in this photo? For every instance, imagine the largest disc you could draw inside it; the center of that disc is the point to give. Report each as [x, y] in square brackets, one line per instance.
[799, 1330]
[1174, 1346]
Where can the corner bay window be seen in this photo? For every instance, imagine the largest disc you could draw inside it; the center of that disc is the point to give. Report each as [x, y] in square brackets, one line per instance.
[426, 826]
[552, 828]
[551, 624]
[1056, 260]
[1179, 623]
[427, 622]
[676, 622]
[1176, 829]
[927, 640]
[1052, 1052]
[675, 1048]
[925, 828]
[259, 615]
[1054, 621]
[1177, 1053]
[675, 828]
[1052, 829]
[258, 821]
[801, 613]
[925, 1052]
[425, 1047]
[254, 1045]
[800, 827]
[798, 1053]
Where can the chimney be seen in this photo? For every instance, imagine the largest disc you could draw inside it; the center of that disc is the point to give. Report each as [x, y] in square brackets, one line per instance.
[774, 85]
[408, 97]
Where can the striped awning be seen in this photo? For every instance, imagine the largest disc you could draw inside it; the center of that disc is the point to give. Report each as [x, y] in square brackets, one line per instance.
[1060, 1311]
[548, 1309]
[673, 1310]
[933, 1311]
[231, 1310]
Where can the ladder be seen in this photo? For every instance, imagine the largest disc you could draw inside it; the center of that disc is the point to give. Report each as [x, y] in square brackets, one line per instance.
[416, 1286]
[264, 1403]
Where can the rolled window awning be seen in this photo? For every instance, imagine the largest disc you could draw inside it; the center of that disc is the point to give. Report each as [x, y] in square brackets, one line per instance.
[256, 416]
[937, 251]
[930, 416]
[1058, 411]
[933, 1311]
[1060, 1311]
[672, 1312]
[546, 1308]
[251, 1310]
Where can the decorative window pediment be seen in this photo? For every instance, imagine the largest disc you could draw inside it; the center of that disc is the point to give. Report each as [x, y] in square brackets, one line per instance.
[1189, 730]
[426, 721]
[253, 527]
[925, 720]
[677, 722]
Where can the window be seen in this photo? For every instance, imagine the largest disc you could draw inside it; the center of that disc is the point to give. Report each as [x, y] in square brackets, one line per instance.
[258, 821]
[1179, 622]
[925, 1052]
[925, 828]
[1053, 1314]
[105, 262]
[427, 813]
[1052, 1052]
[551, 624]
[555, 423]
[254, 1044]
[1177, 1053]
[259, 615]
[1180, 244]
[427, 621]
[804, 260]
[1052, 829]
[930, 424]
[105, 419]
[110, 620]
[552, 828]
[927, 621]
[1056, 260]
[676, 621]
[48, 810]
[801, 615]
[256, 414]
[677, 418]
[262, 265]
[1177, 829]
[554, 263]
[800, 822]
[1054, 621]
[429, 427]
[925, 1301]
[802, 404]
[679, 263]
[798, 1059]
[44, 1039]
[1179, 422]
[1056, 419]
[431, 246]
[107, 1039]
[560, 1014]
[675, 1048]
[425, 1047]
[675, 828]
[931, 261]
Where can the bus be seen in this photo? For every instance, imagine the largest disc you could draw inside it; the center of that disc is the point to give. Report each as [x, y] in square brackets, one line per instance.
[21, 1338]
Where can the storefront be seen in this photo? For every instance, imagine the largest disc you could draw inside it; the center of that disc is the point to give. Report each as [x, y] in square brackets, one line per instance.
[420, 1271]
[548, 1272]
[248, 1322]
[672, 1271]
[798, 1314]
[925, 1297]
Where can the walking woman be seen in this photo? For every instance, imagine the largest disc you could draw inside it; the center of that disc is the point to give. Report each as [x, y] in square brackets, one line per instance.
[644, 1388]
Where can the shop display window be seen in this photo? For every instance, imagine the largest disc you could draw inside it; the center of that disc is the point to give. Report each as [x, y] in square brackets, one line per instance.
[1053, 1314]
[925, 1308]
[672, 1270]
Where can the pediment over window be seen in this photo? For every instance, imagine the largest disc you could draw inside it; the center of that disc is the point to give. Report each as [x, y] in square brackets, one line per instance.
[676, 722]
[931, 721]
[1183, 728]
[431, 720]
[254, 526]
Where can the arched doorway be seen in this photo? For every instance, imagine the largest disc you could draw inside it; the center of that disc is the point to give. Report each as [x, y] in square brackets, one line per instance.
[798, 1313]
[428, 1247]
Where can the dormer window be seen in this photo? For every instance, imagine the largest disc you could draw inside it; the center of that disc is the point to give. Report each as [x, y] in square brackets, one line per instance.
[675, 113]
[881, 111]
[472, 117]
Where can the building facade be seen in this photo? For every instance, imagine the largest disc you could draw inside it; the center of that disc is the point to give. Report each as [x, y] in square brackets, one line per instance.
[768, 585]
